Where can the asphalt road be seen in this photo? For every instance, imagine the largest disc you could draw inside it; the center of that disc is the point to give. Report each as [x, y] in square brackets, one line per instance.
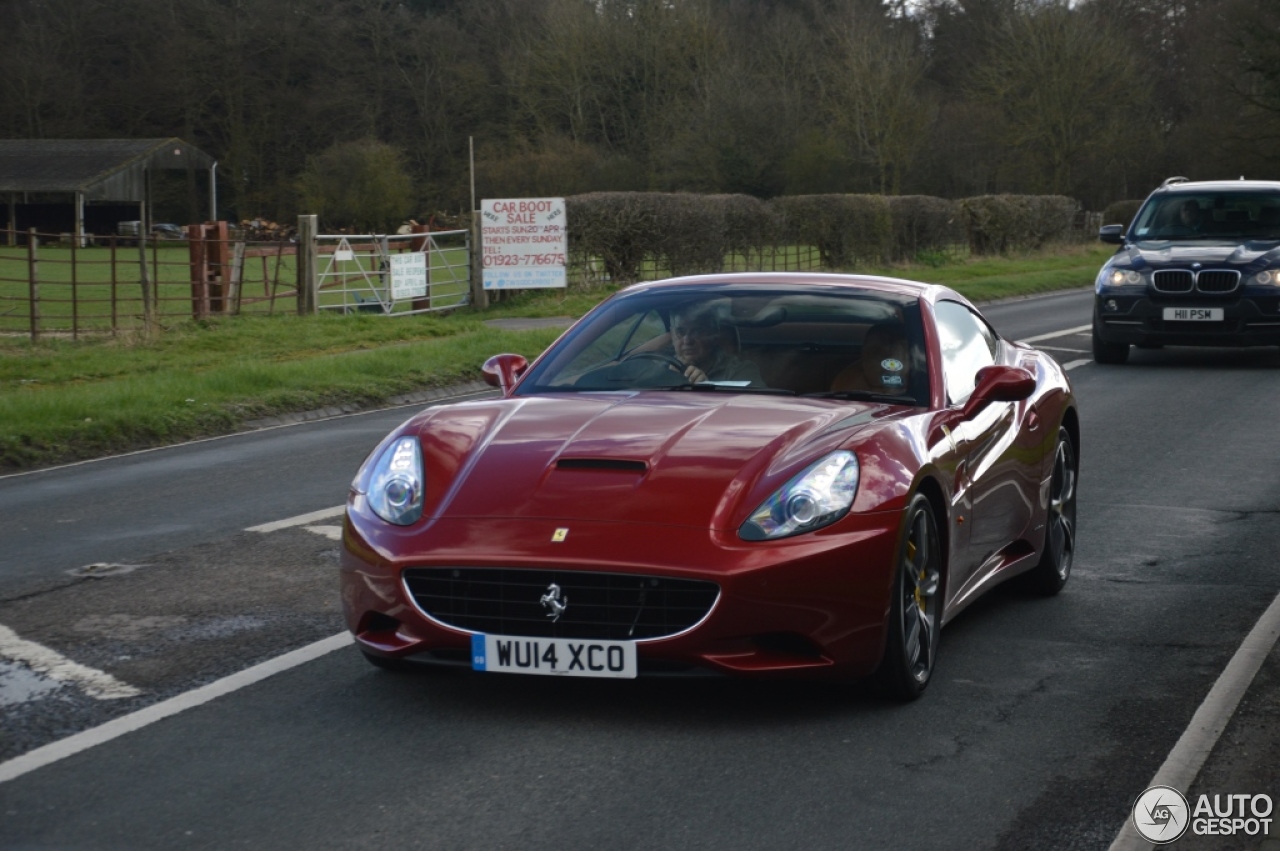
[1045, 720]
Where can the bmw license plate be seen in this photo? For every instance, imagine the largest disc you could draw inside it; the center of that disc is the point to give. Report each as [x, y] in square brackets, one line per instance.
[565, 657]
[1193, 314]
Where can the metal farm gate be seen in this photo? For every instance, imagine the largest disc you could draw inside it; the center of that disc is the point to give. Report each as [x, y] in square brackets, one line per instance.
[394, 274]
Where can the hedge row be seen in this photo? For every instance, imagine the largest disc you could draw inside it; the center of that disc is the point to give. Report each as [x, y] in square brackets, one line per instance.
[1121, 212]
[687, 233]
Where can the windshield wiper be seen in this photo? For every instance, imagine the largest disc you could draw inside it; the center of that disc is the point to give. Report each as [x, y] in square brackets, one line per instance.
[712, 387]
[863, 396]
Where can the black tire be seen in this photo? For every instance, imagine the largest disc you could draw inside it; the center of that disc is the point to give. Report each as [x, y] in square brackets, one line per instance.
[1054, 569]
[1104, 352]
[915, 610]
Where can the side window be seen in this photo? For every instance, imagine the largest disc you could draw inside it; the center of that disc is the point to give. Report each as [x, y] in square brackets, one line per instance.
[968, 345]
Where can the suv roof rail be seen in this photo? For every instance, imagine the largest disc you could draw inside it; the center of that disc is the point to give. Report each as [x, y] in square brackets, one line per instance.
[1172, 180]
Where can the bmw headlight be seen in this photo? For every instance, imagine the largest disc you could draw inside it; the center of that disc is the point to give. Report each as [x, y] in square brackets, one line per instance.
[1267, 277]
[1122, 277]
[817, 497]
[396, 482]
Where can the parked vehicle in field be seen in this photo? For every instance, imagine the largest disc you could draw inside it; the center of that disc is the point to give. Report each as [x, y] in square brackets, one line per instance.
[750, 474]
[159, 230]
[1198, 266]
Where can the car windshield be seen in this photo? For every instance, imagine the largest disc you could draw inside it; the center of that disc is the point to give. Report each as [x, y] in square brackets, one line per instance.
[851, 344]
[1210, 216]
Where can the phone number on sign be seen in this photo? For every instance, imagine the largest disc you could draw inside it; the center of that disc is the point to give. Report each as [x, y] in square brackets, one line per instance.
[524, 260]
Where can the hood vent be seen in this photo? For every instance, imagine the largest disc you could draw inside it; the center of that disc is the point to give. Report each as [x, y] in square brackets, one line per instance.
[616, 464]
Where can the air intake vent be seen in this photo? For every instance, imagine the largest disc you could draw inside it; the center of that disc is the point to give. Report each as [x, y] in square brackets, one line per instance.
[602, 464]
[508, 601]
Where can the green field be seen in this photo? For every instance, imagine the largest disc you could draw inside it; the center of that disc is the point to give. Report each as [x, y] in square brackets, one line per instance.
[62, 399]
[97, 289]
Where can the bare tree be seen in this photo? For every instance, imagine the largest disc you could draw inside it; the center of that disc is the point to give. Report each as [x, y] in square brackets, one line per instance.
[875, 94]
[1066, 89]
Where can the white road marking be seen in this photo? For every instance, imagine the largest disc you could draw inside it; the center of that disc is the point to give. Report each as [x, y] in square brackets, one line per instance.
[71, 745]
[1063, 349]
[440, 400]
[300, 520]
[333, 533]
[55, 666]
[1050, 336]
[1075, 363]
[1188, 756]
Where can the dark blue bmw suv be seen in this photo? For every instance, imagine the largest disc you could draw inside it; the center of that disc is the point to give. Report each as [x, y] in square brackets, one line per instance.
[1198, 266]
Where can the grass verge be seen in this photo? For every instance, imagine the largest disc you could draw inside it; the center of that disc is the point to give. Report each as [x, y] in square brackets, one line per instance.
[62, 400]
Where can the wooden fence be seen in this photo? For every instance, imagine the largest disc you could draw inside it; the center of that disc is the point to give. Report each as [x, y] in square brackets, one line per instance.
[50, 285]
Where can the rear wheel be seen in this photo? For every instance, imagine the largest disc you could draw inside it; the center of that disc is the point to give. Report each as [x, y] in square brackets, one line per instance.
[1105, 352]
[915, 609]
[1051, 574]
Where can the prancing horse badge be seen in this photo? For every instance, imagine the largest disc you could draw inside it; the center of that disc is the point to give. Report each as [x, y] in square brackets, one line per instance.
[559, 535]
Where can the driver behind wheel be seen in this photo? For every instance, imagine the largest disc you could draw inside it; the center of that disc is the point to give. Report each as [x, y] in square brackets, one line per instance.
[703, 342]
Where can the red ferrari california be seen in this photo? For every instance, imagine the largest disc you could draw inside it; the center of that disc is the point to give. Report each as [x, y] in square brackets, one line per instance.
[749, 474]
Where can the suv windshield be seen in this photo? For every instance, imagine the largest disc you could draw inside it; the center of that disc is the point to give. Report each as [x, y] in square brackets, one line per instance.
[855, 344]
[1211, 215]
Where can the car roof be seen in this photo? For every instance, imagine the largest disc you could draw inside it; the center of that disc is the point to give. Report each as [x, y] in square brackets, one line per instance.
[1201, 186]
[874, 283]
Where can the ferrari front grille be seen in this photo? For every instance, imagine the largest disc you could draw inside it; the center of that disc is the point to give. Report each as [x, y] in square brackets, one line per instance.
[559, 603]
[1173, 281]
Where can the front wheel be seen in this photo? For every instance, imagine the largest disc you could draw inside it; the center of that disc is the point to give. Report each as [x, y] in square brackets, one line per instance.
[1051, 574]
[915, 609]
[1105, 352]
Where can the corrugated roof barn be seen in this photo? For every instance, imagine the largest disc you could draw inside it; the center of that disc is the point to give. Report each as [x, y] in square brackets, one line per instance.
[112, 170]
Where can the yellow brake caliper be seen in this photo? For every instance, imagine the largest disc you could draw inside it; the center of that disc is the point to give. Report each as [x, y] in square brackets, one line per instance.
[911, 556]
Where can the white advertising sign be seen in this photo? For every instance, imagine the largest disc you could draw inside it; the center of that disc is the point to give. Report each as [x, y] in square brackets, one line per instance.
[523, 243]
[408, 276]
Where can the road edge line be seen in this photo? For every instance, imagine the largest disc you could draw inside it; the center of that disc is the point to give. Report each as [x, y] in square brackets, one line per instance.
[395, 406]
[113, 729]
[299, 520]
[1183, 764]
[1067, 333]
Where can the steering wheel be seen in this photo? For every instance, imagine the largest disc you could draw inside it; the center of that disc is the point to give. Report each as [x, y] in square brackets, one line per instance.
[670, 361]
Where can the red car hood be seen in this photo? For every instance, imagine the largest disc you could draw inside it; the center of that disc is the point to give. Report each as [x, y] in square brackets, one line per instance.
[670, 458]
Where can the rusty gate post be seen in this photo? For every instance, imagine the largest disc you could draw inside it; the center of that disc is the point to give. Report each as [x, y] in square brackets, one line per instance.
[33, 281]
[218, 262]
[199, 271]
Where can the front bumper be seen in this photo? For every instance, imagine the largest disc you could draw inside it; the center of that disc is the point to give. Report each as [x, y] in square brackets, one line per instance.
[815, 604]
[1247, 320]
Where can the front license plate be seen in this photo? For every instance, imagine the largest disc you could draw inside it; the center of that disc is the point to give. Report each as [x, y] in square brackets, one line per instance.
[1193, 314]
[565, 657]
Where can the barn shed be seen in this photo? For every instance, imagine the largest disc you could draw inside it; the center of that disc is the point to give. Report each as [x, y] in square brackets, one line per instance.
[76, 172]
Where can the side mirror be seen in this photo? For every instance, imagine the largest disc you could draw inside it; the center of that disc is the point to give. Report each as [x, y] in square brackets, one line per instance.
[503, 371]
[1113, 234]
[1000, 384]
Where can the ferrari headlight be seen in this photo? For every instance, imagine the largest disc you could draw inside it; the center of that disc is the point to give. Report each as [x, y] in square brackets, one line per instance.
[1267, 276]
[817, 497]
[396, 485]
[1120, 277]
